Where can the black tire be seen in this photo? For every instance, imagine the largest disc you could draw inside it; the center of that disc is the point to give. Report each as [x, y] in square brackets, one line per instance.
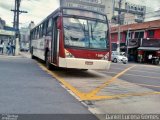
[115, 60]
[157, 62]
[124, 62]
[84, 69]
[32, 56]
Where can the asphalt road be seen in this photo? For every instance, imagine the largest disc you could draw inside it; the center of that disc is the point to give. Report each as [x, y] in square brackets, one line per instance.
[144, 75]
[26, 89]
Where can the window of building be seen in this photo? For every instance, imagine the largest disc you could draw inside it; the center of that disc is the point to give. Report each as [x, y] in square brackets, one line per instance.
[151, 33]
[112, 37]
[142, 9]
[114, 46]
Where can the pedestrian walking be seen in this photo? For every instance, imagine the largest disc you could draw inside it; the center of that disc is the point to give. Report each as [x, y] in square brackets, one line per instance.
[150, 58]
[12, 48]
[8, 47]
[1, 46]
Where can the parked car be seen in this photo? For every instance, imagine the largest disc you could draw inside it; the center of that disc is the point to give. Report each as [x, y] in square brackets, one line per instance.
[24, 49]
[119, 57]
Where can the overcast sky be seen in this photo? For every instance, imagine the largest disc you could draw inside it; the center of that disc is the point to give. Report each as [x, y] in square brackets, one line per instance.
[39, 9]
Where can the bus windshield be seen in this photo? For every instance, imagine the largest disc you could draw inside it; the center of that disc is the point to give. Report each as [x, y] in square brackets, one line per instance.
[85, 33]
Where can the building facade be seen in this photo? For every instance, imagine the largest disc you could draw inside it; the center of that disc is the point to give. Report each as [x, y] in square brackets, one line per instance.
[130, 13]
[7, 34]
[25, 36]
[138, 37]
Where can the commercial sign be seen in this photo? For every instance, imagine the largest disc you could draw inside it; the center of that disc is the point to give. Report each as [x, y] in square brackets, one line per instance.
[133, 43]
[5, 32]
[135, 8]
[96, 5]
[150, 43]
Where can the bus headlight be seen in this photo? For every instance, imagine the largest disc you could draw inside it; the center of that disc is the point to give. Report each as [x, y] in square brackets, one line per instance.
[68, 54]
[105, 57]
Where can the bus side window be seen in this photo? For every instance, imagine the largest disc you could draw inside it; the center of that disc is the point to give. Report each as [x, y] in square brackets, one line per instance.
[35, 34]
[49, 27]
[32, 34]
[37, 30]
[40, 31]
[44, 29]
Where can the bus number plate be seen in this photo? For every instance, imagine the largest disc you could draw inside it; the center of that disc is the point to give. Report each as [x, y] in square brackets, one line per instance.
[89, 63]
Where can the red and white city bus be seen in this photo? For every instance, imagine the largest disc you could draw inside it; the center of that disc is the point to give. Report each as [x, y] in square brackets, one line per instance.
[72, 38]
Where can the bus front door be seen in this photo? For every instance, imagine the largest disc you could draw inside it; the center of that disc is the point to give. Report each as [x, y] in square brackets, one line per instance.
[55, 43]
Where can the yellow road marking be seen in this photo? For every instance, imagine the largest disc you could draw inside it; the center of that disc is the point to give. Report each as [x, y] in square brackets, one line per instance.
[151, 66]
[89, 96]
[140, 70]
[127, 83]
[137, 75]
[148, 85]
[123, 95]
[66, 84]
[95, 91]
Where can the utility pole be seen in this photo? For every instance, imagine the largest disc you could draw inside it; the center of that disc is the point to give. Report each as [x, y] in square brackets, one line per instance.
[119, 22]
[127, 41]
[119, 39]
[17, 12]
[119, 12]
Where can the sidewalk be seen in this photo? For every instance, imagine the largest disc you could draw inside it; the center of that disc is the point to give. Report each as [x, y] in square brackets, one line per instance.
[5, 56]
[26, 89]
[21, 54]
[25, 54]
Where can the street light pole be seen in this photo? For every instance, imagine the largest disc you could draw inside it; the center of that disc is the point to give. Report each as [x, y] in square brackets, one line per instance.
[119, 39]
[127, 42]
[119, 22]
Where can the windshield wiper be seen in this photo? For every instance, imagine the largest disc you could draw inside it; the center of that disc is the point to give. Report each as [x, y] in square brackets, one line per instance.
[95, 25]
[82, 25]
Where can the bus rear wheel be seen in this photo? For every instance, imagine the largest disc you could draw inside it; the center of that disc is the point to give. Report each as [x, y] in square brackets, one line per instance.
[32, 56]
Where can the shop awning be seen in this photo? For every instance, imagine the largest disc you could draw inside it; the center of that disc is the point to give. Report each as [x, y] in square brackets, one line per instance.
[6, 32]
[149, 48]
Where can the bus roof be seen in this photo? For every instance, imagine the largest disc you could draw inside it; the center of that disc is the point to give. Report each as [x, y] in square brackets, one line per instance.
[58, 10]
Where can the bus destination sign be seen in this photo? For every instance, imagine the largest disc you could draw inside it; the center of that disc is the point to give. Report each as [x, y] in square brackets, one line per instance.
[95, 5]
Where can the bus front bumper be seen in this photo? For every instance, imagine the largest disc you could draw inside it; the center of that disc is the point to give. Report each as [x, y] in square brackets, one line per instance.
[84, 63]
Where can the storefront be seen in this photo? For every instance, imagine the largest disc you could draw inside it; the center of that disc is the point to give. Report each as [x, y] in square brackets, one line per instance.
[149, 52]
[6, 36]
[132, 47]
